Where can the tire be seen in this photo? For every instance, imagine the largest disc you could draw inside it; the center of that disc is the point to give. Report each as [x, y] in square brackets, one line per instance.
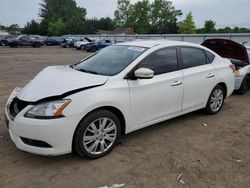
[37, 45]
[82, 47]
[93, 141]
[93, 49]
[215, 100]
[14, 45]
[244, 86]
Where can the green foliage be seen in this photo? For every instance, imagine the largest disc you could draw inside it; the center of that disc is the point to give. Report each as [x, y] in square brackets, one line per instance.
[57, 27]
[164, 17]
[31, 27]
[187, 26]
[160, 16]
[139, 17]
[209, 27]
[61, 14]
[91, 26]
[123, 12]
[59, 17]
[233, 30]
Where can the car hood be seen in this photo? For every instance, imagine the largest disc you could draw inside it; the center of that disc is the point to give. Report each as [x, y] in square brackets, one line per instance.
[56, 81]
[227, 49]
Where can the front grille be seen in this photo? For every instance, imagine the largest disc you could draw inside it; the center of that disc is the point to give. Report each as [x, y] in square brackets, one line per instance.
[17, 106]
[36, 143]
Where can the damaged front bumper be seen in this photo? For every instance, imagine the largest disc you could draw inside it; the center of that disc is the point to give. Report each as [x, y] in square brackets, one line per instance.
[43, 137]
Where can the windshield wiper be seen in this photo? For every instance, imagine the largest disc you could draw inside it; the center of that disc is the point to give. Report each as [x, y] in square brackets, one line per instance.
[87, 71]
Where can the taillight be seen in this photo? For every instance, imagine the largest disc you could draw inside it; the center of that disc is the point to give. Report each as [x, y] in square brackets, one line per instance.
[232, 66]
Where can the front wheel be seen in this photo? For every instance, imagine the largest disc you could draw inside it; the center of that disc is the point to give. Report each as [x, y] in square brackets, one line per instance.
[216, 100]
[97, 134]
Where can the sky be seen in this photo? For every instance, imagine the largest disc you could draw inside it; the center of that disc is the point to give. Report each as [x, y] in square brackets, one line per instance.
[224, 12]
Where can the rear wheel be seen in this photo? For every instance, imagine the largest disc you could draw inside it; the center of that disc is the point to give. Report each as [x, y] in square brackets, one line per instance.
[216, 100]
[93, 49]
[14, 45]
[97, 134]
[244, 86]
[82, 47]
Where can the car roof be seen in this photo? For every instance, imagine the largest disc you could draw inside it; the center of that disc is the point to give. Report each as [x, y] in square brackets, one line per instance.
[153, 43]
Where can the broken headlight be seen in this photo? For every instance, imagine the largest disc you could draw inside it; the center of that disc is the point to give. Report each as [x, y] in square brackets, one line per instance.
[48, 110]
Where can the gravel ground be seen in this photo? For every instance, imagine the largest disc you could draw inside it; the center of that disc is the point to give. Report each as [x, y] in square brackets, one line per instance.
[177, 153]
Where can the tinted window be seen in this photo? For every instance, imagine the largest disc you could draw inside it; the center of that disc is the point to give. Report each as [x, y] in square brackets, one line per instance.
[162, 61]
[210, 56]
[193, 57]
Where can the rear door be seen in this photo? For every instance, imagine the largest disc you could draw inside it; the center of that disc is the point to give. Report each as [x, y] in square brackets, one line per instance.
[199, 76]
[158, 97]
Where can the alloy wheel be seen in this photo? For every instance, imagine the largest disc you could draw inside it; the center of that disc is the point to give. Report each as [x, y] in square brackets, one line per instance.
[216, 100]
[100, 135]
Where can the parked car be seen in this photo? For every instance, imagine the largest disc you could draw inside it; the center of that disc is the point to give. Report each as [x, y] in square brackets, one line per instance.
[68, 42]
[86, 107]
[50, 41]
[238, 54]
[26, 40]
[4, 39]
[80, 45]
[97, 45]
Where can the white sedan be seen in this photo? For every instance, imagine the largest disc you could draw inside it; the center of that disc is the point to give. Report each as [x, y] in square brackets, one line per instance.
[88, 106]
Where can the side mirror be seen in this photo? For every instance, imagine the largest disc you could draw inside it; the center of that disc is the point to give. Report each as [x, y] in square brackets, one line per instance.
[144, 73]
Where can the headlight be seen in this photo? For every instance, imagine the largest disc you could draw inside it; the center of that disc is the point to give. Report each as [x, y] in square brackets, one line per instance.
[48, 110]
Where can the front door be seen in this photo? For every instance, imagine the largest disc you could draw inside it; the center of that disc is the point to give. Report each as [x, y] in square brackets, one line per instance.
[161, 96]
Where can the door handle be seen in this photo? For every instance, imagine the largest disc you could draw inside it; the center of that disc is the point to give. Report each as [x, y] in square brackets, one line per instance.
[210, 75]
[176, 83]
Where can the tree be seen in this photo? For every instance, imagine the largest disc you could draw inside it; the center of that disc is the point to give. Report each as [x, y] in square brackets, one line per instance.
[55, 12]
[187, 26]
[160, 16]
[57, 27]
[209, 26]
[106, 24]
[122, 12]
[139, 17]
[31, 27]
[164, 17]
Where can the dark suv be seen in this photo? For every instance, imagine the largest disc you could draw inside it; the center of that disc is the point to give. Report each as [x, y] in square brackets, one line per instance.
[26, 40]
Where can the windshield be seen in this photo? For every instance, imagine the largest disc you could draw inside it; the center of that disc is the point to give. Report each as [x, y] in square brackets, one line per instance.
[110, 61]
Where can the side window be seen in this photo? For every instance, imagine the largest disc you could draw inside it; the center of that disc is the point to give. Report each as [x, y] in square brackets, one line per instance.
[193, 57]
[210, 56]
[161, 61]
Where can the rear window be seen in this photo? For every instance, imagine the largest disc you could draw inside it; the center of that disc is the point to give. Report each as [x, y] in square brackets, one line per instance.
[193, 57]
[210, 56]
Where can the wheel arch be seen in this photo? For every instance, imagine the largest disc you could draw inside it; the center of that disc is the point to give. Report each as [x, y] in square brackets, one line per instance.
[224, 86]
[112, 109]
